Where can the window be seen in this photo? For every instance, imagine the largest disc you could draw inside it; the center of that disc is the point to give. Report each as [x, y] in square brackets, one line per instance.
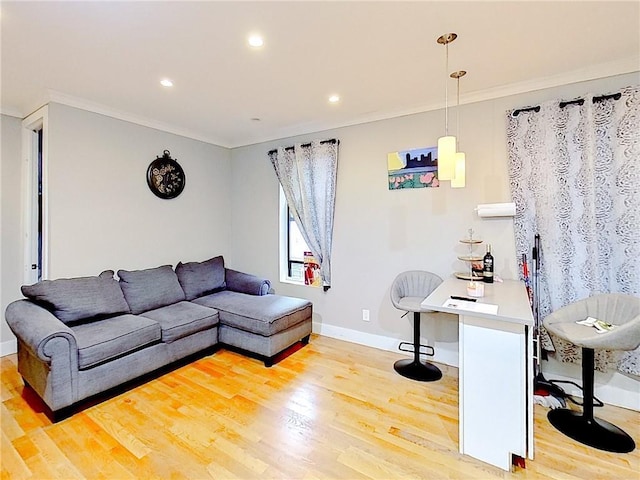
[292, 244]
[307, 173]
[296, 246]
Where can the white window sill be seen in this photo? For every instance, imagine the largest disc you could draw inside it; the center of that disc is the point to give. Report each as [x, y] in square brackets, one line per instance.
[297, 282]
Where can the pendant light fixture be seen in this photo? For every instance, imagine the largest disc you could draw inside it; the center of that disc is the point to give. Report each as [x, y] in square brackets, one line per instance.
[446, 144]
[459, 164]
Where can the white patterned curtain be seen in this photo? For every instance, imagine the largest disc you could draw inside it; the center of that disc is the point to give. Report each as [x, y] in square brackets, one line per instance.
[307, 173]
[574, 170]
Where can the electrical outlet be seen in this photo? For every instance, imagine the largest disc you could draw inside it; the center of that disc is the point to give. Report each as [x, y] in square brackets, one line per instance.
[365, 315]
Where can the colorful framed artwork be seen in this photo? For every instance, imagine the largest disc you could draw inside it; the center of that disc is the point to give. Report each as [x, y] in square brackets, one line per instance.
[417, 168]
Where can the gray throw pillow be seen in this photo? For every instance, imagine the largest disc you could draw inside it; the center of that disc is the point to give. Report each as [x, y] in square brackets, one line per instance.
[151, 288]
[75, 299]
[201, 278]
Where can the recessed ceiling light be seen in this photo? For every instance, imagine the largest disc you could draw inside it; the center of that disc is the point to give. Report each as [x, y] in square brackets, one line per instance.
[165, 82]
[256, 40]
[334, 98]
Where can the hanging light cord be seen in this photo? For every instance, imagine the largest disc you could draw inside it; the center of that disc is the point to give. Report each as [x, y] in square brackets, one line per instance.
[445, 40]
[458, 114]
[446, 92]
[457, 75]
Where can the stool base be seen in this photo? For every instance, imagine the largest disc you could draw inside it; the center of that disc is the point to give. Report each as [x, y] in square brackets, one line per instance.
[594, 432]
[423, 372]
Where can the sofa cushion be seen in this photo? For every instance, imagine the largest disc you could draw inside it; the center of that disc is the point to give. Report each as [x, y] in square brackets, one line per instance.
[151, 288]
[181, 319]
[112, 337]
[201, 278]
[75, 299]
[261, 314]
[246, 283]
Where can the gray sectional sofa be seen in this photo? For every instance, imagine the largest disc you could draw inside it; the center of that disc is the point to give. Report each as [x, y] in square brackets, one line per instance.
[80, 337]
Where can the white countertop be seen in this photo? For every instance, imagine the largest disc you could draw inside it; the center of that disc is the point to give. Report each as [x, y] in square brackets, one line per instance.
[510, 296]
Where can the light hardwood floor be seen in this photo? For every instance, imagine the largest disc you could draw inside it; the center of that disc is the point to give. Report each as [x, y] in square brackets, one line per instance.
[332, 410]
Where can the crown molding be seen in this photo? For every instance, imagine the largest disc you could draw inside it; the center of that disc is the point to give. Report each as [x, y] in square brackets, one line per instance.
[594, 72]
[10, 112]
[618, 67]
[83, 104]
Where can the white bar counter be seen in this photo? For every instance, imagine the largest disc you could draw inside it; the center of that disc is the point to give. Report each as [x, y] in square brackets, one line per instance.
[495, 369]
[510, 296]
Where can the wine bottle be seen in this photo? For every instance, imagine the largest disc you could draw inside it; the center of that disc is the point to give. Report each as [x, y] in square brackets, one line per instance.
[487, 266]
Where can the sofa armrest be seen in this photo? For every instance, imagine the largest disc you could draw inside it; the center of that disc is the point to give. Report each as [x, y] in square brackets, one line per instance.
[246, 283]
[35, 326]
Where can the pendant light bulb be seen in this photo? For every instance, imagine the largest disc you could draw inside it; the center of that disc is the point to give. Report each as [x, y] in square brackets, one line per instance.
[446, 157]
[459, 174]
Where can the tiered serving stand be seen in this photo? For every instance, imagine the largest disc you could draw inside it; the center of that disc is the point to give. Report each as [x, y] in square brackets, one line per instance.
[471, 257]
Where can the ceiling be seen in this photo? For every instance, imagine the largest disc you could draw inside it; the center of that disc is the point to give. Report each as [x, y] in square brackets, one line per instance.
[382, 58]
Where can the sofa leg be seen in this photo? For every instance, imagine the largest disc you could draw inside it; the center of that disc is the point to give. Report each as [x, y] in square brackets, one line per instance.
[62, 414]
[271, 361]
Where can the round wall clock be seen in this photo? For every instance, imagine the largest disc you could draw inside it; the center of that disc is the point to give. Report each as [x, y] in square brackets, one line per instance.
[165, 177]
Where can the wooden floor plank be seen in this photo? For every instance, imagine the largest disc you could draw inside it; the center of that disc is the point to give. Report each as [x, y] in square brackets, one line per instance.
[332, 410]
[12, 463]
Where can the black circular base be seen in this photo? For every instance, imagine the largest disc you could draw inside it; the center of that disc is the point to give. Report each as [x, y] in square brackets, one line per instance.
[596, 432]
[423, 372]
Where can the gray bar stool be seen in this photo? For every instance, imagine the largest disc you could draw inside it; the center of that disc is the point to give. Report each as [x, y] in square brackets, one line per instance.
[408, 291]
[614, 308]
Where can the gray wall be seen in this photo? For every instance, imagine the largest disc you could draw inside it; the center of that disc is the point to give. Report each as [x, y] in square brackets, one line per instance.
[379, 233]
[102, 215]
[11, 252]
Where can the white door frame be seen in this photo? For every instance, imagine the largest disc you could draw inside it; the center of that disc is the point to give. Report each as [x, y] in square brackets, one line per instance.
[37, 120]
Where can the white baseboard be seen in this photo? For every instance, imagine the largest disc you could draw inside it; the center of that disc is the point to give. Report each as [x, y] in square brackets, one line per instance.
[613, 388]
[8, 347]
[389, 344]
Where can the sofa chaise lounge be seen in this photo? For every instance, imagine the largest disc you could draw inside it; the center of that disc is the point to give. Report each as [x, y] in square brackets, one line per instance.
[80, 337]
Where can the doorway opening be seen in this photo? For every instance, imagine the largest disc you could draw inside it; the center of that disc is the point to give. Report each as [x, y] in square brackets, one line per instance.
[35, 213]
[38, 214]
